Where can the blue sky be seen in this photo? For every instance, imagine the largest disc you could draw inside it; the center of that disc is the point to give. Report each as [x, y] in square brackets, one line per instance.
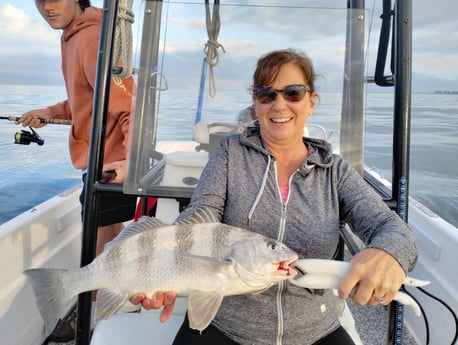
[30, 49]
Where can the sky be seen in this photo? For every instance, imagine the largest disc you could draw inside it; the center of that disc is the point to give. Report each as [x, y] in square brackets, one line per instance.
[30, 50]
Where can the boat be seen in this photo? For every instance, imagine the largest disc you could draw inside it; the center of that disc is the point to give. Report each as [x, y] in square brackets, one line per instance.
[168, 169]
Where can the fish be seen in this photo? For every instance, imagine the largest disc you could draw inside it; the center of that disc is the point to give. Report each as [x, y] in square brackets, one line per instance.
[204, 261]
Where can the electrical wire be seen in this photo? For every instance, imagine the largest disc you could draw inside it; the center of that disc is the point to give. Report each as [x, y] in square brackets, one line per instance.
[440, 301]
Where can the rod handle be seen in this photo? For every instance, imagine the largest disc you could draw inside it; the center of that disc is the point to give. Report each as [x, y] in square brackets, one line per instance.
[42, 120]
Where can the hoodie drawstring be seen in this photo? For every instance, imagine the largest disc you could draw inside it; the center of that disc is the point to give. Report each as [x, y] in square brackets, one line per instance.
[261, 189]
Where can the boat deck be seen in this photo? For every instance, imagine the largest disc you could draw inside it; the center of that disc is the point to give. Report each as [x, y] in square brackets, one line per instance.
[371, 324]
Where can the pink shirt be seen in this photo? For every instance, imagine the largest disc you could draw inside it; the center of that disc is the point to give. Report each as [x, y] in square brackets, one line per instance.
[284, 192]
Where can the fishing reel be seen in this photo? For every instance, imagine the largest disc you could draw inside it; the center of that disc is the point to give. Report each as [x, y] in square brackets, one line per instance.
[25, 137]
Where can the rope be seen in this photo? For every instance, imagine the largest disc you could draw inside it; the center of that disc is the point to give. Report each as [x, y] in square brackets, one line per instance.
[212, 45]
[122, 51]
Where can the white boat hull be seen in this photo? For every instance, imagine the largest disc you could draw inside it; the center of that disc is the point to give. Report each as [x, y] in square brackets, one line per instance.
[438, 243]
[48, 235]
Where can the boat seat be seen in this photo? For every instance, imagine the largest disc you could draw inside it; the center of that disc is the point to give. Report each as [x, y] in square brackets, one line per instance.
[208, 134]
[141, 328]
[182, 169]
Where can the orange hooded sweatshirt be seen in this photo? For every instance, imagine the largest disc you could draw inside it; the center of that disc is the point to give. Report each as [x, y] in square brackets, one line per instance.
[79, 44]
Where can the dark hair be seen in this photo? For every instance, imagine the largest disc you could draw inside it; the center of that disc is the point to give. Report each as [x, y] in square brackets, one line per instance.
[84, 4]
[269, 65]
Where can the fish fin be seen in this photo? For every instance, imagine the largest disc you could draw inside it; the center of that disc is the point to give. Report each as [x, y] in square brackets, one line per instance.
[109, 302]
[52, 296]
[201, 215]
[202, 308]
[144, 224]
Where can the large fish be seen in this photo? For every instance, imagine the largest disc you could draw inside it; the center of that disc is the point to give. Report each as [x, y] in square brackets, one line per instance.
[205, 262]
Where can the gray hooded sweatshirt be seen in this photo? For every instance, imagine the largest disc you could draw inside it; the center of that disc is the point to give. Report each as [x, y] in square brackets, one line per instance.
[239, 184]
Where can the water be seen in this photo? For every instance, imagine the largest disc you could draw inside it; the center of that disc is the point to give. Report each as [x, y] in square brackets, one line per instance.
[434, 141]
[31, 174]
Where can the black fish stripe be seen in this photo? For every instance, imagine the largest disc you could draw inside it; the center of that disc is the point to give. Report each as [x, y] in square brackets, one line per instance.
[146, 244]
[114, 257]
[220, 239]
[185, 240]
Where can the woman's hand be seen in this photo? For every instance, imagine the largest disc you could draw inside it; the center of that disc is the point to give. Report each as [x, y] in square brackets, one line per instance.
[160, 299]
[374, 277]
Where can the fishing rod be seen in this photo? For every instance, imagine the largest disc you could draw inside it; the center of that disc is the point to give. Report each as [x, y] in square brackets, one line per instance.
[25, 137]
[42, 120]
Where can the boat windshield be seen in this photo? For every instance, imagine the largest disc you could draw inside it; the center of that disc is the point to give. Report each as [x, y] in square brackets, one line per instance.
[181, 97]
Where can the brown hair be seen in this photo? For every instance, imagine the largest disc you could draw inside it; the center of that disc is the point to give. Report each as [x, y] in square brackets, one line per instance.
[84, 4]
[268, 67]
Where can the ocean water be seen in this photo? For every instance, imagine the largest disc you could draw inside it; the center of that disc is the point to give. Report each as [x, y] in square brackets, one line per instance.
[31, 174]
[433, 141]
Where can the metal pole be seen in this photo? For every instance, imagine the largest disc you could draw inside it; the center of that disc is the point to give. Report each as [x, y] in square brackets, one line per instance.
[401, 134]
[95, 161]
[143, 128]
[352, 120]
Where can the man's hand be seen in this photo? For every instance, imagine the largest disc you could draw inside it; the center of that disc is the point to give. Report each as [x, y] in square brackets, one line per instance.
[32, 118]
[114, 172]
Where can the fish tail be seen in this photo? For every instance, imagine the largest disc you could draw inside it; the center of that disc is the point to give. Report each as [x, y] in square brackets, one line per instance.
[51, 296]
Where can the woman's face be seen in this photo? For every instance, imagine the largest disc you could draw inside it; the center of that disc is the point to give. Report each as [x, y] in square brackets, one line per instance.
[282, 121]
[58, 13]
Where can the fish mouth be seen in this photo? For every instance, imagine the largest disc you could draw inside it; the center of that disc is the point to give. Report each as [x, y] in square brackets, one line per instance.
[284, 267]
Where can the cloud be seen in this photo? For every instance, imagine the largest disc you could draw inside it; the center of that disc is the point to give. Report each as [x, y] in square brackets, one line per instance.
[435, 42]
[30, 52]
[432, 64]
[435, 52]
[30, 49]
[21, 34]
[246, 33]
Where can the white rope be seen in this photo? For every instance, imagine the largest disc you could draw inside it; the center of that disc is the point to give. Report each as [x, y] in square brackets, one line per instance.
[122, 51]
[212, 45]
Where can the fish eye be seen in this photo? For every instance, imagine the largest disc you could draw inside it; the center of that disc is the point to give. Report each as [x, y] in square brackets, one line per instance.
[229, 259]
[272, 245]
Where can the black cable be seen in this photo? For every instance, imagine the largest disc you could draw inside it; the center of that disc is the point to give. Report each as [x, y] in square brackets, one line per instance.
[449, 309]
[437, 299]
[422, 313]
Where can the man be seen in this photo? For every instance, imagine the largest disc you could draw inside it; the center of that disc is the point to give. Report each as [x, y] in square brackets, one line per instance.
[80, 25]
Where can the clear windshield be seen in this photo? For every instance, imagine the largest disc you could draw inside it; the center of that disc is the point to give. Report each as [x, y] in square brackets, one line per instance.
[176, 89]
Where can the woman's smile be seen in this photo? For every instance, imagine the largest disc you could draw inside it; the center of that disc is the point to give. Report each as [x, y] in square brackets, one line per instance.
[281, 119]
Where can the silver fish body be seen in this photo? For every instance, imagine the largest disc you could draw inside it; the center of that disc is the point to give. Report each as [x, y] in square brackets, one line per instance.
[205, 262]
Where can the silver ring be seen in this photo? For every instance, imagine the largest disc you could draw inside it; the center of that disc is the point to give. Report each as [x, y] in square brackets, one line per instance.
[380, 300]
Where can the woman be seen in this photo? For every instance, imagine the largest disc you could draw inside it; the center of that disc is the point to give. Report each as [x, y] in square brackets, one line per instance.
[272, 180]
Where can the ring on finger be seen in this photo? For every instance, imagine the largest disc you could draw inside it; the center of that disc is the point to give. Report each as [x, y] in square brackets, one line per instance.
[380, 300]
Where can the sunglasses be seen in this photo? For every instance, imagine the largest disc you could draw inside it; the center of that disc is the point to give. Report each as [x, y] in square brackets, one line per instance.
[291, 93]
